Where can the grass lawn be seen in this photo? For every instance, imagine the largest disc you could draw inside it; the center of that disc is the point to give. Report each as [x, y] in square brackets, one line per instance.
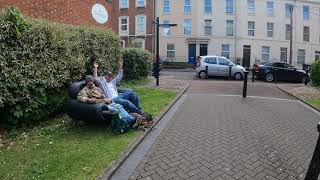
[315, 102]
[64, 149]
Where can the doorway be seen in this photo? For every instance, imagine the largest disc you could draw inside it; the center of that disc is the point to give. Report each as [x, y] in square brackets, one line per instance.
[203, 49]
[246, 56]
[192, 54]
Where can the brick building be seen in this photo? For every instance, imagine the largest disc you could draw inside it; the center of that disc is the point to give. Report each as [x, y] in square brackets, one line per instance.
[64, 11]
[134, 22]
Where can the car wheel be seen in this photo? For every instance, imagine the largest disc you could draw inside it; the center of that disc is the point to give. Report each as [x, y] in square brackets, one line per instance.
[269, 77]
[202, 74]
[238, 76]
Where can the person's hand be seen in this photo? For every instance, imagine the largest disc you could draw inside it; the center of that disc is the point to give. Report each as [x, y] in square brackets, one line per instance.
[92, 100]
[95, 64]
[108, 101]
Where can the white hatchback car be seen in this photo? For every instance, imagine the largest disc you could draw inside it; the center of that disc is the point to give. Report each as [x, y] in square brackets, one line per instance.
[218, 66]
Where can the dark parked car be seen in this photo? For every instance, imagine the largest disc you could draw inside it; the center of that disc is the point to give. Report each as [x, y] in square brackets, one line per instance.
[280, 70]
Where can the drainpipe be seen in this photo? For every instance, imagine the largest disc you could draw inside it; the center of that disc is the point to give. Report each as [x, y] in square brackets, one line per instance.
[235, 30]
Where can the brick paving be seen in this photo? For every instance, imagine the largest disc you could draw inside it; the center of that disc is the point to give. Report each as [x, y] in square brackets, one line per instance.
[225, 137]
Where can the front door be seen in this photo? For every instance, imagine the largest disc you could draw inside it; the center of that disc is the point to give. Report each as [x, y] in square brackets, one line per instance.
[203, 49]
[246, 56]
[192, 54]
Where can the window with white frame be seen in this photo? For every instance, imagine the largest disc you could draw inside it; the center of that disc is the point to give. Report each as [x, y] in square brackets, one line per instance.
[139, 43]
[269, 9]
[166, 29]
[140, 3]
[251, 28]
[317, 55]
[229, 6]
[123, 4]
[225, 50]
[283, 54]
[170, 51]
[306, 13]
[124, 25]
[187, 27]
[207, 27]
[166, 6]
[306, 33]
[288, 10]
[207, 6]
[251, 6]
[270, 27]
[288, 31]
[301, 56]
[187, 6]
[141, 24]
[229, 28]
[265, 53]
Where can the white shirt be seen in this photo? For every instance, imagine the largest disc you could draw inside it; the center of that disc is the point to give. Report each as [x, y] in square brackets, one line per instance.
[111, 90]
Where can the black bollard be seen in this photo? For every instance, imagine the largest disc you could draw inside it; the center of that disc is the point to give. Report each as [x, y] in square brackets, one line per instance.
[207, 72]
[245, 83]
[314, 167]
[306, 78]
[252, 74]
[275, 74]
[230, 67]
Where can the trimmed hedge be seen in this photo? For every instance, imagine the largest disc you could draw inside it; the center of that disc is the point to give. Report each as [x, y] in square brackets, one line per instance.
[39, 59]
[137, 63]
[315, 73]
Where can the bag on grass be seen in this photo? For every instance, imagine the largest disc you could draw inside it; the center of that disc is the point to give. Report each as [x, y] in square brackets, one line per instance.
[118, 123]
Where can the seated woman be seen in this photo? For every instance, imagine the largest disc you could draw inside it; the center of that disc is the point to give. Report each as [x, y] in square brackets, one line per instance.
[92, 94]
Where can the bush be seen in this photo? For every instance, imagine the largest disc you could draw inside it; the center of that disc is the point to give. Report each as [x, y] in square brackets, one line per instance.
[136, 63]
[39, 59]
[315, 73]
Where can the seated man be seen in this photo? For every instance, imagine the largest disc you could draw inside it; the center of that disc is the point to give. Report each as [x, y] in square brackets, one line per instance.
[108, 85]
[92, 94]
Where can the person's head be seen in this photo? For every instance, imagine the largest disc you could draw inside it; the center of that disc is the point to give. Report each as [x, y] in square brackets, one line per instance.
[108, 76]
[89, 81]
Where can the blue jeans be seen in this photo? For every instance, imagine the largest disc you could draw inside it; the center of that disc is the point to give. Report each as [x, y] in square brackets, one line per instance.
[129, 100]
[122, 112]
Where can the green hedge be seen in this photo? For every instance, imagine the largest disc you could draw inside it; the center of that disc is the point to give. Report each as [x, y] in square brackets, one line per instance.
[315, 73]
[136, 63]
[39, 59]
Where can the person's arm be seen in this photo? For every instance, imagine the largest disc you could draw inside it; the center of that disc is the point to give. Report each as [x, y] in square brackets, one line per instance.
[118, 78]
[82, 96]
[95, 70]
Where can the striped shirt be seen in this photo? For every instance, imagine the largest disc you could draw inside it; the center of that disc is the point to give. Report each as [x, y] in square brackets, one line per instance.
[109, 89]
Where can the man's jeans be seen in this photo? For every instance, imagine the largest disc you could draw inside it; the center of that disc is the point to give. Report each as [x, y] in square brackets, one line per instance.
[129, 100]
[122, 112]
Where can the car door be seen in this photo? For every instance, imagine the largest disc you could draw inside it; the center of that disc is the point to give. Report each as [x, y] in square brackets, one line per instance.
[212, 66]
[223, 69]
[278, 71]
[290, 73]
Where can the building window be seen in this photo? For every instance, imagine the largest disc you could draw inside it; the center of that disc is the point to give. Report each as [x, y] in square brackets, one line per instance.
[288, 31]
[306, 33]
[187, 27]
[251, 28]
[317, 55]
[229, 30]
[229, 6]
[207, 27]
[225, 51]
[124, 25]
[166, 29]
[269, 8]
[270, 27]
[140, 3]
[207, 6]
[301, 56]
[124, 4]
[288, 10]
[141, 24]
[187, 6]
[283, 54]
[265, 53]
[251, 6]
[306, 13]
[139, 43]
[170, 51]
[166, 6]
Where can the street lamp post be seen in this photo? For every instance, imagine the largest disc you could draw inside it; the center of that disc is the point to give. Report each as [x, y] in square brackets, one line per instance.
[157, 64]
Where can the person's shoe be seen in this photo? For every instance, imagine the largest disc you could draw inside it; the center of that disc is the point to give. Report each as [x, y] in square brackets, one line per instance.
[147, 124]
[138, 121]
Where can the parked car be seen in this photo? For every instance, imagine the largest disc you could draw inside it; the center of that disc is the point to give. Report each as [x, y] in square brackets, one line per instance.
[218, 66]
[283, 71]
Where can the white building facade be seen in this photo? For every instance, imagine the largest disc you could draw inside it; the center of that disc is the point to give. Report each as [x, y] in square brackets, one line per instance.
[245, 31]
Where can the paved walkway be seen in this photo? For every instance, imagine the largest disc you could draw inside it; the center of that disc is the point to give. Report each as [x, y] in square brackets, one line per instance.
[215, 134]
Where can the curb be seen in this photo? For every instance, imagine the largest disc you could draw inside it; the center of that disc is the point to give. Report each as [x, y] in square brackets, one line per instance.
[300, 99]
[114, 166]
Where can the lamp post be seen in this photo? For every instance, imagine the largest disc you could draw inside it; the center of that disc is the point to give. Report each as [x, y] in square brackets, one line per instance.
[157, 64]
